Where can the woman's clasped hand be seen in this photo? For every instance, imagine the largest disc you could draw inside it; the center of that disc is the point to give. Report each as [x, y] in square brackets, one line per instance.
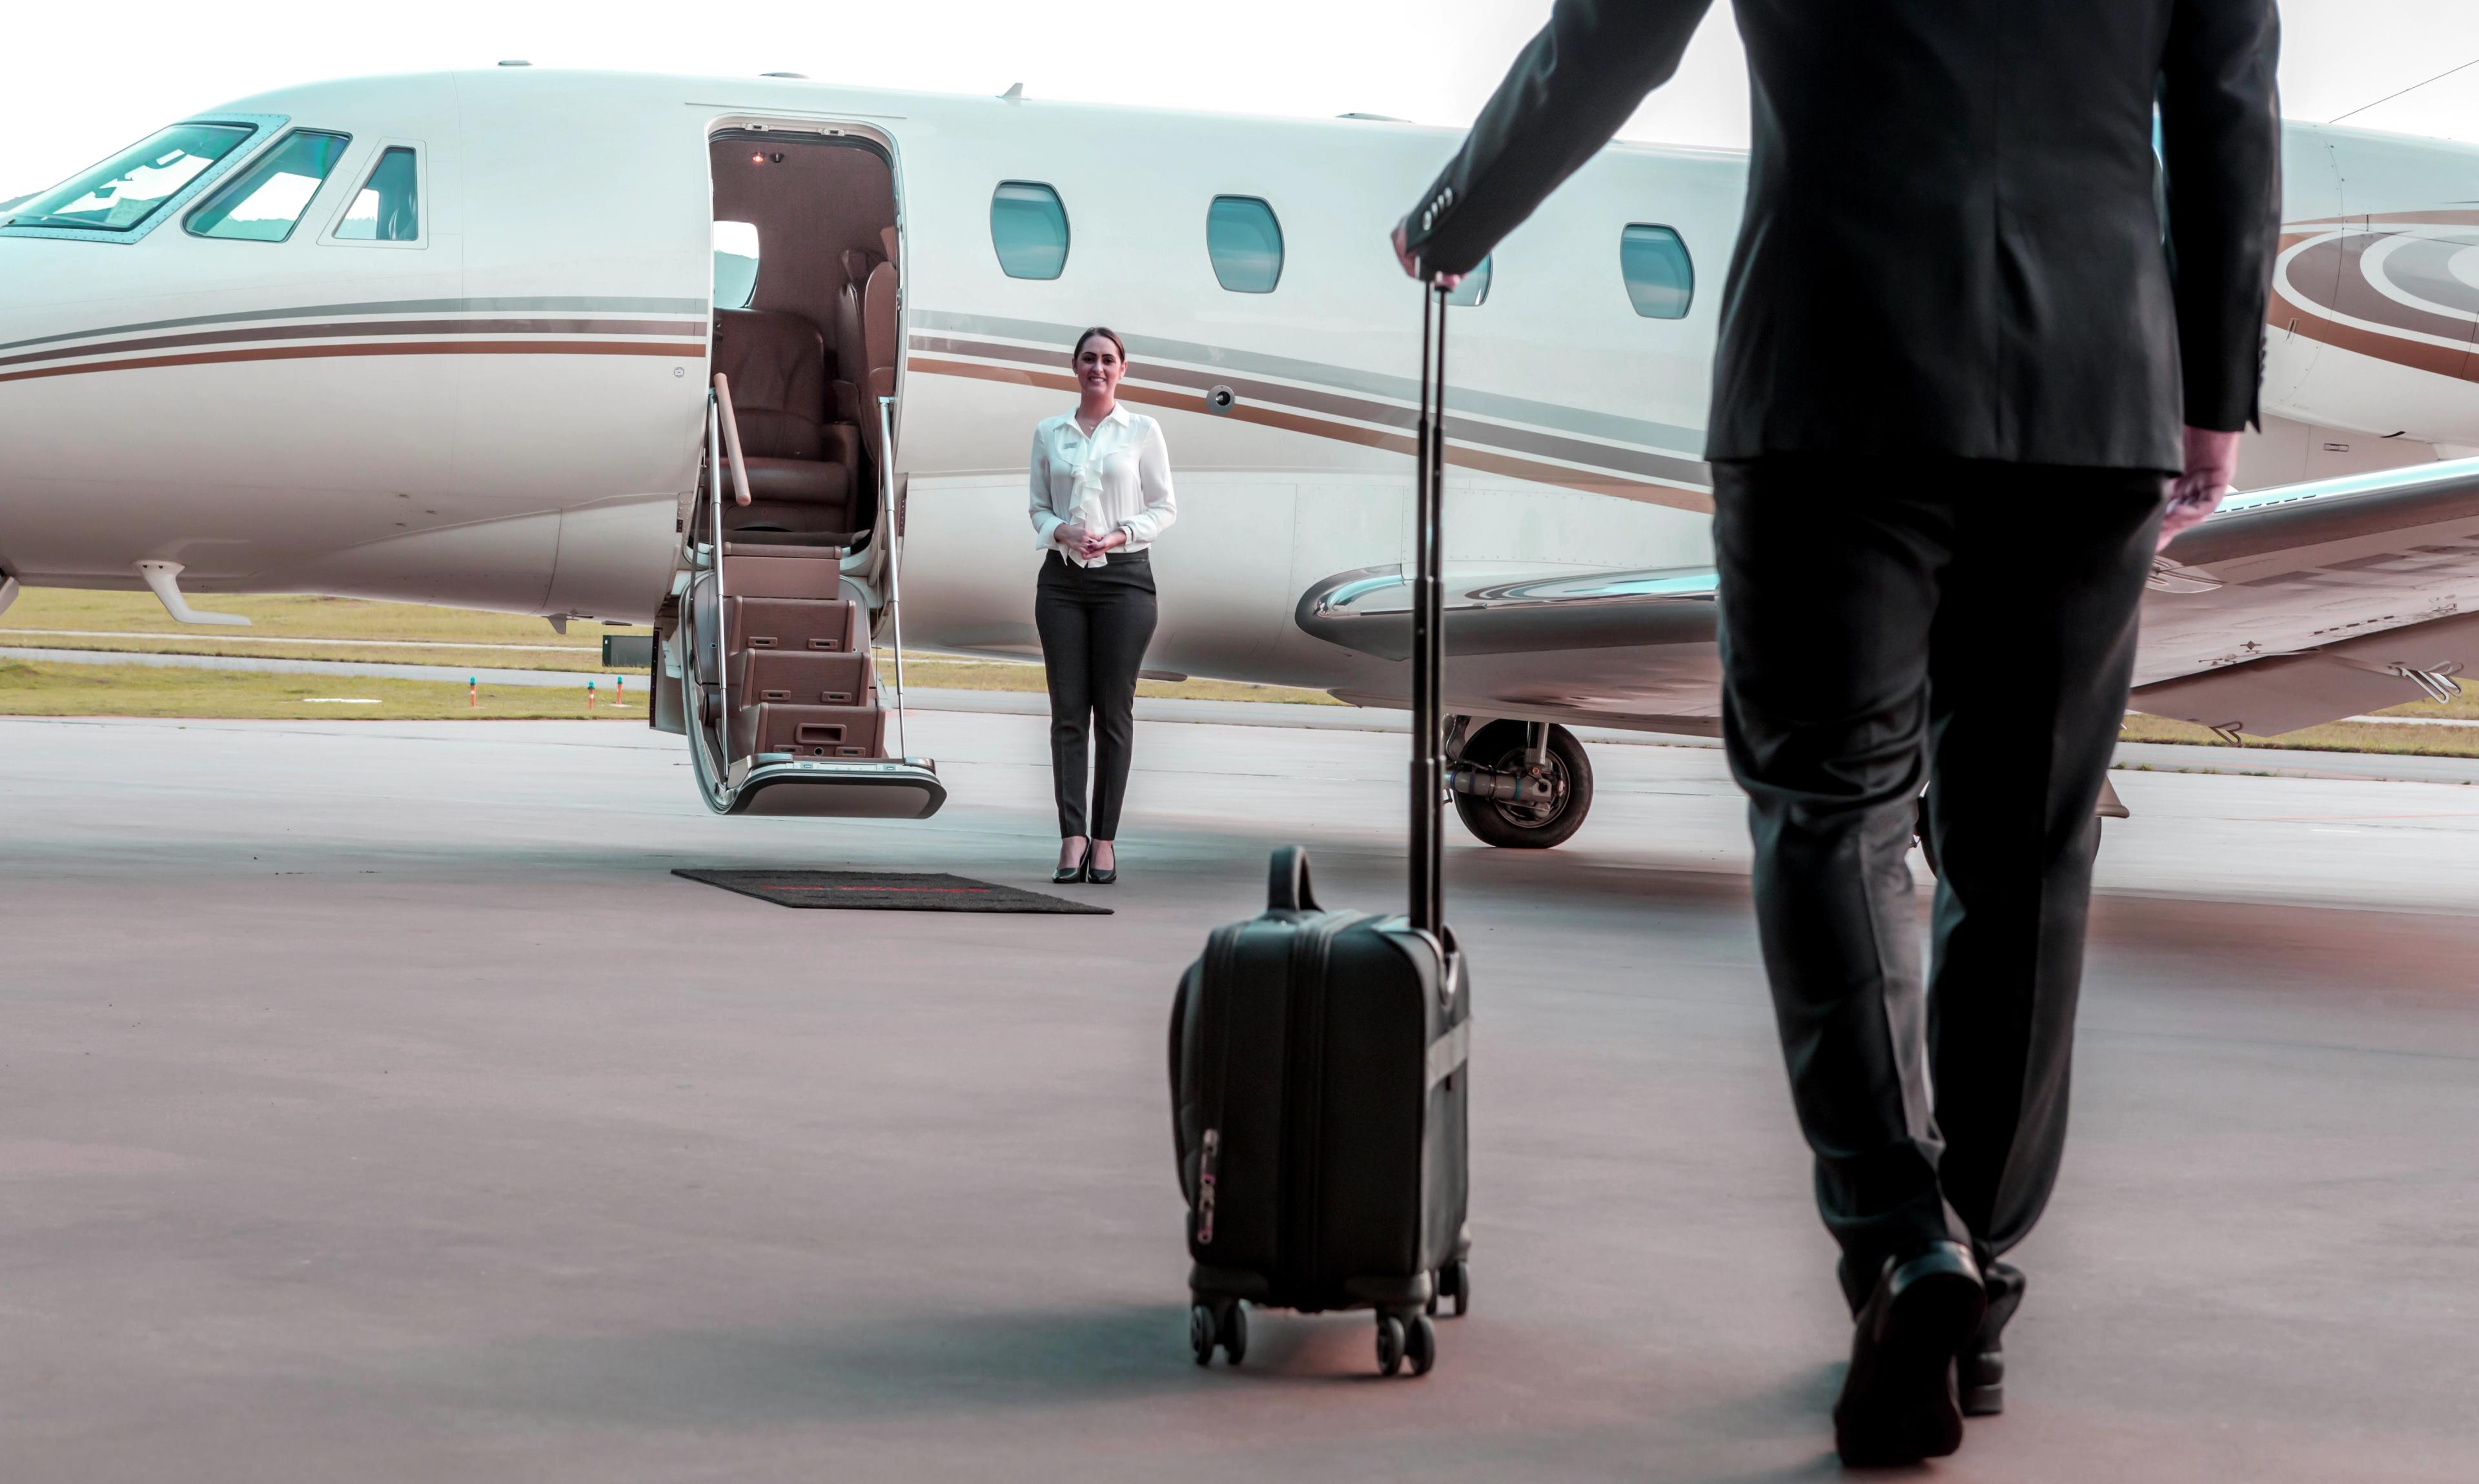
[1087, 544]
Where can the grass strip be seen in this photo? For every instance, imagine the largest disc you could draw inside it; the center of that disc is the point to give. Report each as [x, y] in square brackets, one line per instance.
[47, 689]
[2332, 738]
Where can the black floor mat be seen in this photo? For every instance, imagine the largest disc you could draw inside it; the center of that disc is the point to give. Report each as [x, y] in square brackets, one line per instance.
[886, 891]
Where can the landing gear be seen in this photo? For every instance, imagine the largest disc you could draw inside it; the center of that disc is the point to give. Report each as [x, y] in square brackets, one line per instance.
[1508, 798]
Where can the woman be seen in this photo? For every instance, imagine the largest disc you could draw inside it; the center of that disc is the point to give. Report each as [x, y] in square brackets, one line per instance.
[1101, 495]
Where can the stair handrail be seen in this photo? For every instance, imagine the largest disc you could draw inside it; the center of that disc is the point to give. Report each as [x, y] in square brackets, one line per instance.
[715, 406]
[894, 559]
[731, 439]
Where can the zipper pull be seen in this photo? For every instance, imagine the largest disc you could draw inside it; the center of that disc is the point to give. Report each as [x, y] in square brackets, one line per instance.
[1205, 1187]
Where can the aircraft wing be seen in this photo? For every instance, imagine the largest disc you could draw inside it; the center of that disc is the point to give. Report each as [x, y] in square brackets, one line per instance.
[1608, 649]
[2290, 607]
[2310, 602]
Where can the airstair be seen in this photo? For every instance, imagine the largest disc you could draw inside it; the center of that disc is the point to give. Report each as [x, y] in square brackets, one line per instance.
[765, 653]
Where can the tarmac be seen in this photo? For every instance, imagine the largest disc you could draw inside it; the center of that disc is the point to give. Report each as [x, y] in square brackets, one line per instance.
[376, 1106]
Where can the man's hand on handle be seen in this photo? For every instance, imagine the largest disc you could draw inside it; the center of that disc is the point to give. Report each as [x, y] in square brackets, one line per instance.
[1411, 263]
[2211, 464]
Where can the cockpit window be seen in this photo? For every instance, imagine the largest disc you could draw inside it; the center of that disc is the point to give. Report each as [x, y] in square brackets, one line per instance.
[266, 202]
[388, 208]
[120, 193]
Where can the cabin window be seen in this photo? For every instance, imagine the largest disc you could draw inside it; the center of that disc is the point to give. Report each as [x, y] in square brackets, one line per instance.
[388, 208]
[1245, 243]
[1029, 229]
[1473, 290]
[266, 202]
[735, 264]
[1660, 277]
[120, 193]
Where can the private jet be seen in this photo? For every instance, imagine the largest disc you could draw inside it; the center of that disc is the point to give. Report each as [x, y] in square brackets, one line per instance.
[732, 356]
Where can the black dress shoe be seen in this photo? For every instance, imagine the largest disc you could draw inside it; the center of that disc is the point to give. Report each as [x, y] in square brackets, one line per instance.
[1103, 878]
[1898, 1403]
[1067, 875]
[1979, 1371]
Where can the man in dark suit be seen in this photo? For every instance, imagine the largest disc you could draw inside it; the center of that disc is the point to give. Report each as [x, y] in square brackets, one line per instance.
[1970, 356]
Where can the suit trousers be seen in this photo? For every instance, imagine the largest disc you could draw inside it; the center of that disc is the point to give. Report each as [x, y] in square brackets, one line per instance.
[1967, 627]
[1095, 622]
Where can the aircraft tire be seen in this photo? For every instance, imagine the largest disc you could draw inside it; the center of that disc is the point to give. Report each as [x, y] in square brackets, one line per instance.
[1519, 826]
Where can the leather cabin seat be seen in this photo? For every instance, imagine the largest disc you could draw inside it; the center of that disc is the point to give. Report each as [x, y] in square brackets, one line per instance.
[852, 362]
[801, 465]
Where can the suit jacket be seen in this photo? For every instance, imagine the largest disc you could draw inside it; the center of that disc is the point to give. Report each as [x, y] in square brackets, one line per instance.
[1958, 239]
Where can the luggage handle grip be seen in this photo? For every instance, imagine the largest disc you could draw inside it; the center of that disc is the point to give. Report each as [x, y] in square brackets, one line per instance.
[1286, 882]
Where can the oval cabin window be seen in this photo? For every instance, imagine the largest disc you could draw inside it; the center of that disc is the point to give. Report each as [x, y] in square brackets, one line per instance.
[1029, 228]
[1246, 242]
[1660, 277]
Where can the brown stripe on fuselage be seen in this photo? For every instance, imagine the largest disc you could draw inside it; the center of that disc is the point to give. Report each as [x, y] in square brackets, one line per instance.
[2454, 361]
[1618, 485]
[690, 350]
[1648, 463]
[341, 329]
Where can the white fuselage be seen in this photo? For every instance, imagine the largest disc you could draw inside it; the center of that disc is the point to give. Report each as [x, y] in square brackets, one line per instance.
[507, 412]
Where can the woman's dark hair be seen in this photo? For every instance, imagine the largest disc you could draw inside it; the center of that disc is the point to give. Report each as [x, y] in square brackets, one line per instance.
[1107, 333]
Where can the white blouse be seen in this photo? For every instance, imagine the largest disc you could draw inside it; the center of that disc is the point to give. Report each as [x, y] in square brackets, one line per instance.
[1124, 468]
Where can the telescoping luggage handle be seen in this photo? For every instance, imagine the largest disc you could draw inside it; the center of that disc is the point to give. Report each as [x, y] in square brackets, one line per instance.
[1428, 621]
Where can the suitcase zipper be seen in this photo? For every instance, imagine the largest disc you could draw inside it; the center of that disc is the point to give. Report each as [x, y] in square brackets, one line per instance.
[1299, 1230]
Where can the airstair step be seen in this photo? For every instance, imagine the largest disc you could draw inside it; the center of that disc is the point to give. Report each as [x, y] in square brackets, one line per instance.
[808, 574]
[759, 677]
[807, 730]
[823, 546]
[784, 624]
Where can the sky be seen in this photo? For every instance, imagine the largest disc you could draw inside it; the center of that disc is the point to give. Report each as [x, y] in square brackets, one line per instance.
[74, 92]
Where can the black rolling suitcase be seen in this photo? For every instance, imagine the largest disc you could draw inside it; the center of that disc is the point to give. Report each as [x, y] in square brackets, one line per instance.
[1317, 1061]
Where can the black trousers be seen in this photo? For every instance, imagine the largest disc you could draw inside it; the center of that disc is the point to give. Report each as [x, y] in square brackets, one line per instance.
[1095, 622]
[1970, 628]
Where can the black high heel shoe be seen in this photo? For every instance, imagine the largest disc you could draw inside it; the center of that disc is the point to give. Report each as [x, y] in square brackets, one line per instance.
[1067, 876]
[1101, 878]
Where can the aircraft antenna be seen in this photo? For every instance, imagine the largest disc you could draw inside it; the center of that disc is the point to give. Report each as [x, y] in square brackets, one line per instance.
[2413, 88]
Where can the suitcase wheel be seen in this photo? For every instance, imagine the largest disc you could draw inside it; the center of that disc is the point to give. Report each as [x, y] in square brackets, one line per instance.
[1400, 1339]
[1224, 1325]
[1389, 1345]
[1454, 1281]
